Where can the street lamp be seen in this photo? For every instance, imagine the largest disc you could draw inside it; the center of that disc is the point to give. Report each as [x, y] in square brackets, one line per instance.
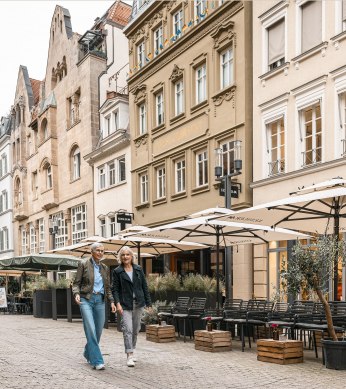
[53, 230]
[226, 178]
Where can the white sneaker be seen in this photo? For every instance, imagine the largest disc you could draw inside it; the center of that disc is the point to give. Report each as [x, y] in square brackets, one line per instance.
[134, 358]
[130, 362]
[101, 366]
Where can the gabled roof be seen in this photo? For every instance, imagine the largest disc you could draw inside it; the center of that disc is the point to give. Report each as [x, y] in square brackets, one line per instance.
[119, 13]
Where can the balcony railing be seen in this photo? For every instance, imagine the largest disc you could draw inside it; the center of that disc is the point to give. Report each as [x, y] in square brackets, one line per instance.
[276, 167]
[311, 157]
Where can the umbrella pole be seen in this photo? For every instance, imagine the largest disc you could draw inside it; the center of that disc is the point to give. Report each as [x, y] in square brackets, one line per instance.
[217, 268]
[336, 259]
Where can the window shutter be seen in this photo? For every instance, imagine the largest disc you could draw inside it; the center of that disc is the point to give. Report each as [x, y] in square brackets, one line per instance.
[311, 24]
[276, 42]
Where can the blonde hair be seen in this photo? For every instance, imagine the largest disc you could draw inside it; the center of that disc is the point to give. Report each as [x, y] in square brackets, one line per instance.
[121, 252]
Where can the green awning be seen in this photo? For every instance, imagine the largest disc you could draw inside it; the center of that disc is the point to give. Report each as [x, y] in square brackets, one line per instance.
[45, 262]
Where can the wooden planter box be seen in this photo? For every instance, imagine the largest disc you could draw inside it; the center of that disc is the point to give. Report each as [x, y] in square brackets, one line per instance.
[160, 334]
[280, 352]
[213, 341]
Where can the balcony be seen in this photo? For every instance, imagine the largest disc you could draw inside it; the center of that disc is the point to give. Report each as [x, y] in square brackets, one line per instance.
[276, 167]
[311, 157]
[20, 210]
[49, 199]
[92, 43]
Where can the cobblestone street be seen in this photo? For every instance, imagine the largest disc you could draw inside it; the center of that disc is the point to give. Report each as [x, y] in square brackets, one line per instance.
[42, 353]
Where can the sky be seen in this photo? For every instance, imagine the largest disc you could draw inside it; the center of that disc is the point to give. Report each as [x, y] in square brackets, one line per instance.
[24, 36]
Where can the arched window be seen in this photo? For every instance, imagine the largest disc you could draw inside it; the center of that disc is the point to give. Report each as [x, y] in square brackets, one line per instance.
[47, 171]
[18, 194]
[53, 78]
[75, 163]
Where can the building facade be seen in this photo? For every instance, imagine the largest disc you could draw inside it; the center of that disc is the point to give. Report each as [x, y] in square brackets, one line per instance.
[190, 92]
[299, 110]
[56, 124]
[6, 214]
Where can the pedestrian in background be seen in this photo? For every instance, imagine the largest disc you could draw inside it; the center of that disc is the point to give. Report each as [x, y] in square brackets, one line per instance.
[91, 288]
[131, 295]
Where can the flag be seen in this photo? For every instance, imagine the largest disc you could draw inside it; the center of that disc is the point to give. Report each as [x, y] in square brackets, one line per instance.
[161, 46]
[156, 52]
[147, 59]
[172, 38]
[184, 27]
[165, 42]
[178, 32]
[149, 55]
[190, 23]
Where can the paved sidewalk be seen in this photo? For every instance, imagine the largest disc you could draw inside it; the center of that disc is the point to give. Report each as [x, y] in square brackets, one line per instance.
[43, 353]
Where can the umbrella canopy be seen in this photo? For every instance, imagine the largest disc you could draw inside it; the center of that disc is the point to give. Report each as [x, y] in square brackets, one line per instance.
[318, 208]
[321, 211]
[46, 262]
[81, 249]
[215, 233]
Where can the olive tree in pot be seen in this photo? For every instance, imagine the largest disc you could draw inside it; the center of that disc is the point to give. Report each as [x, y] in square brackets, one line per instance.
[310, 268]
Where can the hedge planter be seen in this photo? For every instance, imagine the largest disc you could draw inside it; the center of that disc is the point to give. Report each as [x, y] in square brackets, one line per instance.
[42, 303]
[334, 354]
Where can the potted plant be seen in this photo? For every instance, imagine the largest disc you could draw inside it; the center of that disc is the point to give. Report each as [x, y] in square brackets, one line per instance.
[310, 268]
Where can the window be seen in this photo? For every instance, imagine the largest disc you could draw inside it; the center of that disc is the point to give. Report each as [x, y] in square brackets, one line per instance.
[180, 176]
[159, 109]
[276, 146]
[44, 130]
[142, 119]
[24, 241]
[3, 165]
[144, 188]
[73, 105]
[103, 228]
[158, 41]
[140, 55]
[161, 182]
[62, 235]
[113, 225]
[311, 25]
[18, 193]
[33, 244]
[111, 171]
[179, 97]
[276, 44]
[34, 185]
[102, 177]
[48, 174]
[4, 245]
[3, 201]
[201, 84]
[202, 168]
[116, 171]
[311, 122]
[343, 15]
[116, 120]
[227, 157]
[178, 21]
[121, 171]
[79, 223]
[41, 235]
[342, 119]
[200, 8]
[107, 126]
[226, 65]
[76, 161]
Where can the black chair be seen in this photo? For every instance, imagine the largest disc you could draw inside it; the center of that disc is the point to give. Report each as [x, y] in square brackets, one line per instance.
[180, 306]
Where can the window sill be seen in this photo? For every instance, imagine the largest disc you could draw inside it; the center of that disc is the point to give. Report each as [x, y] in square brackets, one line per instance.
[307, 54]
[74, 180]
[143, 205]
[337, 38]
[198, 106]
[200, 189]
[162, 200]
[46, 190]
[281, 69]
[175, 119]
[178, 196]
[73, 125]
[158, 128]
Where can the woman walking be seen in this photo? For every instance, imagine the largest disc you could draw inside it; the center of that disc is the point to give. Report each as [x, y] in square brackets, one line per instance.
[131, 296]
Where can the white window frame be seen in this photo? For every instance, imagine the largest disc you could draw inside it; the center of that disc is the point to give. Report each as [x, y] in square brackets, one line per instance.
[113, 225]
[158, 40]
[32, 239]
[24, 240]
[121, 169]
[202, 173]
[226, 67]
[142, 117]
[76, 163]
[180, 175]
[161, 182]
[178, 22]
[4, 242]
[101, 177]
[201, 83]
[79, 223]
[279, 164]
[115, 115]
[159, 108]
[103, 231]
[144, 188]
[49, 178]
[179, 97]
[41, 235]
[199, 7]
[141, 55]
[61, 236]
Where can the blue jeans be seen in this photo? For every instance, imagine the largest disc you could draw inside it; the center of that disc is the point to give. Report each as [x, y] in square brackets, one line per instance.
[93, 314]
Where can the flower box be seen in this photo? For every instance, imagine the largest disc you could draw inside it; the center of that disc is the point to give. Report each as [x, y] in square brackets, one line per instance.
[280, 352]
[213, 341]
[160, 334]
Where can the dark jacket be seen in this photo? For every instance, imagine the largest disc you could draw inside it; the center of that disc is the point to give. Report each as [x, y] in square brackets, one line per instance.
[84, 281]
[123, 288]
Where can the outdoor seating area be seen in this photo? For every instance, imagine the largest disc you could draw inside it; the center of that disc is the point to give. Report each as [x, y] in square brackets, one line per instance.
[18, 305]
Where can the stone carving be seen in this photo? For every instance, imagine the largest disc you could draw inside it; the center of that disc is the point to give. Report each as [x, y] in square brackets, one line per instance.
[227, 95]
[140, 92]
[157, 17]
[142, 140]
[171, 4]
[176, 73]
[226, 26]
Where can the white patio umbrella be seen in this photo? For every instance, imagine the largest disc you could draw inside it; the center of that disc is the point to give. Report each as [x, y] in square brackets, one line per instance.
[217, 233]
[317, 209]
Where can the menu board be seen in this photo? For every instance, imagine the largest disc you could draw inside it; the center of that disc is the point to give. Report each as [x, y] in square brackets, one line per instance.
[3, 299]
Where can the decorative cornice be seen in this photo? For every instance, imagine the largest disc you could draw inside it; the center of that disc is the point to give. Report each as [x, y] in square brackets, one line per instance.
[141, 140]
[176, 73]
[226, 25]
[140, 92]
[171, 4]
[155, 19]
[227, 95]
